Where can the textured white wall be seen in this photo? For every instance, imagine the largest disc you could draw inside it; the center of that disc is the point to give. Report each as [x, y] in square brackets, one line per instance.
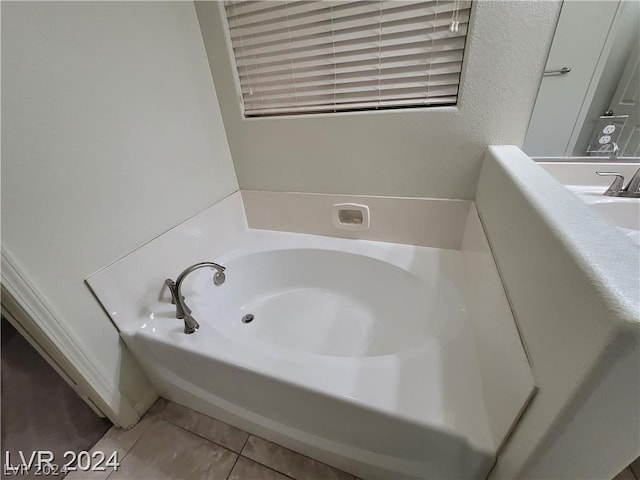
[424, 153]
[111, 135]
[574, 289]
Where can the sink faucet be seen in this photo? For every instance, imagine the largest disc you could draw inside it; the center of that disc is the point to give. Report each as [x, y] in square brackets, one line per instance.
[615, 151]
[617, 188]
[182, 310]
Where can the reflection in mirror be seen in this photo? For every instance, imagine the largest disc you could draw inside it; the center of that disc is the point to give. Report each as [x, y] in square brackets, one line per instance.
[589, 98]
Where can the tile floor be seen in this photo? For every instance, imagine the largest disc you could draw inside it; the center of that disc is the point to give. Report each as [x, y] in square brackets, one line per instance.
[632, 472]
[201, 448]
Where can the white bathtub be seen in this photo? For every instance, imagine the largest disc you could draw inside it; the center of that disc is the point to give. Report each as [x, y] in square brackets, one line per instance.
[363, 354]
[324, 302]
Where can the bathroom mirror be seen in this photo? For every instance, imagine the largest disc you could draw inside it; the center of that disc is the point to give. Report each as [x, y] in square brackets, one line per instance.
[588, 103]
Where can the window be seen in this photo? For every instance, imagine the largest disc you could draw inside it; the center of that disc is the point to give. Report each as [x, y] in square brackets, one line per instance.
[295, 57]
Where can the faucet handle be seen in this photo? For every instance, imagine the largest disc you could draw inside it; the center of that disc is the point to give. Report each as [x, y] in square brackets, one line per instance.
[180, 311]
[617, 184]
[634, 183]
[172, 288]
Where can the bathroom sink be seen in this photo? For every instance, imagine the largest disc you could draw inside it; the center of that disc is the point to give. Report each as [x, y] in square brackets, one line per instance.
[581, 179]
[625, 215]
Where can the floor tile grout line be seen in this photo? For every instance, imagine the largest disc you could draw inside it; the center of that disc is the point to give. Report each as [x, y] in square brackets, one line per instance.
[201, 436]
[233, 466]
[133, 444]
[157, 415]
[258, 461]
[249, 435]
[246, 440]
[195, 411]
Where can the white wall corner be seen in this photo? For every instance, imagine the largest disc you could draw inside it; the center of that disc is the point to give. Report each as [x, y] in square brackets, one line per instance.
[107, 395]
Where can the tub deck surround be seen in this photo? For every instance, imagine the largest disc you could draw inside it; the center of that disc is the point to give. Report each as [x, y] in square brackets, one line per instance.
[427, 222]
[424, 377]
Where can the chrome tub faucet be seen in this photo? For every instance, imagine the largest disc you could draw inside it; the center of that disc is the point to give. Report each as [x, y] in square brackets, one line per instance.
[183, 312]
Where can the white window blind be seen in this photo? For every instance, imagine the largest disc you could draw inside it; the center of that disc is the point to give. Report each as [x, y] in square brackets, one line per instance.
[297, 57]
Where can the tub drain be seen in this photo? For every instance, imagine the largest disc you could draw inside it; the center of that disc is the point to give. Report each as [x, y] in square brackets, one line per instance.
[248, 318]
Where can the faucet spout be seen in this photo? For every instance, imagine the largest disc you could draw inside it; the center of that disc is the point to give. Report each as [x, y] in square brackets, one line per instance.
[183, 312]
